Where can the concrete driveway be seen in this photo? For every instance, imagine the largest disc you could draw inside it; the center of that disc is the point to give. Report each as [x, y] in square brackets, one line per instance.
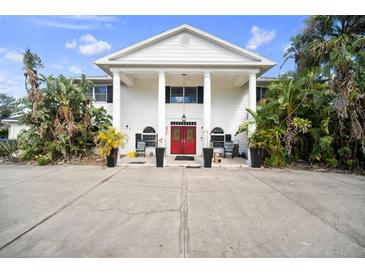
[83, 211]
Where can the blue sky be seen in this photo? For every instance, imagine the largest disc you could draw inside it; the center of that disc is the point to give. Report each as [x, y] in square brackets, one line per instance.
[69, 44]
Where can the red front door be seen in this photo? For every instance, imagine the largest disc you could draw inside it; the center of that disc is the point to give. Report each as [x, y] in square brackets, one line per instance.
[183, 139]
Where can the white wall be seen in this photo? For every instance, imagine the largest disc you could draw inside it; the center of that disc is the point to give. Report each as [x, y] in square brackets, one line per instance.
[197, 49]
[14, 130]
[139, 110]
[229, 109]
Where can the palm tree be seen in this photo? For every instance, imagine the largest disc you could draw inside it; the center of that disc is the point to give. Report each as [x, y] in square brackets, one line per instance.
[32, 62]
[337, 42]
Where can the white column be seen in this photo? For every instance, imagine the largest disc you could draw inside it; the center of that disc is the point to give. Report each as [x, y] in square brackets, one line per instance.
[207, 109]
[117, 119]
[161, 110]
[251, 106]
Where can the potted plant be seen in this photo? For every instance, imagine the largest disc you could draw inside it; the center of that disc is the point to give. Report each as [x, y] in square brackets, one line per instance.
[108, 142]
[256, 145]
[208, 155]
[160, 152]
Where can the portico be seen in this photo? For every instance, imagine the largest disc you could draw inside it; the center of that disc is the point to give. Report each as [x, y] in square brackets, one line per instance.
[185, 88]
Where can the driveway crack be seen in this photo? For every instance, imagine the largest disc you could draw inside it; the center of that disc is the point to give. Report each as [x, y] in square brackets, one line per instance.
[344, 229]
[61, 209]
[183, 215]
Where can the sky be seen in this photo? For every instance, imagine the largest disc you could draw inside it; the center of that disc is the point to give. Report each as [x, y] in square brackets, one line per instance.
[68, 45]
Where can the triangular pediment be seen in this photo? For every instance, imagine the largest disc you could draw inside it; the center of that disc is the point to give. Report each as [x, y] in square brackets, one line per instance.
[185, 44]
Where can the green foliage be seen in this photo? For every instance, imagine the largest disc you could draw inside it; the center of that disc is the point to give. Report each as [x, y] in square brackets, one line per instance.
[43, 160]
[4, 132]
[63, 123]
[317, 113]
[108, 139]
[7, 106]
[8, 148]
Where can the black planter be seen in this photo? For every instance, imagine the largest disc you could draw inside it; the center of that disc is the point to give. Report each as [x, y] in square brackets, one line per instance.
[111, 160]
[208, 156]
[256, 157]
[160, 152]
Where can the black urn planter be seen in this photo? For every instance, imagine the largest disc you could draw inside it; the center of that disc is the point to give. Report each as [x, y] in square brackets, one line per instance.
[160, 152]
[208, 156]
[256, 157]
[111, 160]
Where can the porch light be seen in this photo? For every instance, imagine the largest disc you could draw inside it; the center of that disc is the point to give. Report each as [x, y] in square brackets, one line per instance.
[183, 118]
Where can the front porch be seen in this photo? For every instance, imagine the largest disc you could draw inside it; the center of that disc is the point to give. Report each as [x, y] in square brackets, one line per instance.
[222, 95]
[170, 161]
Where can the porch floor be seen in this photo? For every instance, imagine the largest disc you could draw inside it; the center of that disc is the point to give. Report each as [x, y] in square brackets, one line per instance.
[170, 161]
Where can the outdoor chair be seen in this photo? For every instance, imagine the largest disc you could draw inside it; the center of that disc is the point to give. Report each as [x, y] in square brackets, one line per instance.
[141, 149]
[228, 149]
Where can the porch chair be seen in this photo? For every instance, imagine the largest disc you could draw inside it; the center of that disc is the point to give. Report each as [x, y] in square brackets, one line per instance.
[228, 149]
[141, 148]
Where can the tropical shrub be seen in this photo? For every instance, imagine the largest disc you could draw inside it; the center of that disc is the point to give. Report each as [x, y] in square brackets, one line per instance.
[317, 113]
[108, 139]
[8, 148]
[62, 120]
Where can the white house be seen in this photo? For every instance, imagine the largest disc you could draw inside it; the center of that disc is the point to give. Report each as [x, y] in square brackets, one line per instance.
[184, 87]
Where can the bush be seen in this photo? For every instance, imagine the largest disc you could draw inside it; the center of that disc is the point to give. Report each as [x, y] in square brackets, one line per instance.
[43, 160]
[63, 123]
[8, 148]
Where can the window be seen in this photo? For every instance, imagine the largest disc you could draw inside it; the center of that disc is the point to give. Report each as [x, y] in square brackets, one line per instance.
[260, 93]
[177, 95]
[217, 137]
[191, 95]
[149, 136]
[101, 93]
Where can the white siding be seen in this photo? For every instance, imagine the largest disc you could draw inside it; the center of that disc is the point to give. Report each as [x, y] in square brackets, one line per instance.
[107, 106]
[199, 49]
[139, 110]
[229, 109]
[14, 130]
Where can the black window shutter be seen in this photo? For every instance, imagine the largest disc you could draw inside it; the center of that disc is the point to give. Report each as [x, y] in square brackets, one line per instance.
[109, 94]
[167, 95]
[200, 95]
[138, 138]
[258, 94]
[228, 137]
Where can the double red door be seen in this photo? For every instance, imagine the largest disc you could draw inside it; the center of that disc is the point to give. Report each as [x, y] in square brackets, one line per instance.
[183, 139]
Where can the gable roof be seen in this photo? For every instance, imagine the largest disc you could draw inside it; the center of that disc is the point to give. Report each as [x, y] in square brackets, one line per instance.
[112, 58]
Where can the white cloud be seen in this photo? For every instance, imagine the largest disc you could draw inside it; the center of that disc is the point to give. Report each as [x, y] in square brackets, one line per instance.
[286, 46]
[62, 25]
[12, 83]
[2, 50]
[13, 56]
[94, 48]
[87, 39]
[71, 44]
[56, 66]
[97, 18]
[88, 45]
[4, 82]
[260, 37]
[75, 69]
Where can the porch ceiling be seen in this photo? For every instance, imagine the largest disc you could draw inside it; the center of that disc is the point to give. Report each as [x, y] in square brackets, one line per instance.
[191, 77]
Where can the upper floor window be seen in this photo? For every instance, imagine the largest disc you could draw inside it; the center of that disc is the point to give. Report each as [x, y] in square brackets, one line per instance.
[187, 95]
[260, 93]
[102, 93]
